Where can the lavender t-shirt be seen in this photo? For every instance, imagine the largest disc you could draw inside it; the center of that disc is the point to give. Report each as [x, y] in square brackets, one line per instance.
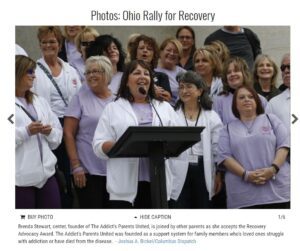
[223, 106]
[87, 108]
[254, 146]
[173, 82]
[143, 113]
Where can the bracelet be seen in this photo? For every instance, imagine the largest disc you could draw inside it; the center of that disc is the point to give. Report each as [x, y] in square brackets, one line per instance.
[77, 169]
[275, 167]
[243, 175]
[246, 176]
[74, 161]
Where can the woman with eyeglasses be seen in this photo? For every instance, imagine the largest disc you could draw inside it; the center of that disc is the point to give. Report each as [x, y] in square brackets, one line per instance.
[170, 53]
[128, 179]
[195, 109]
[145, 48]
[38, 132]
[81, 119]
[111, 47]
[56, 81]
[186, 36]
[83, 40]
[265, 76]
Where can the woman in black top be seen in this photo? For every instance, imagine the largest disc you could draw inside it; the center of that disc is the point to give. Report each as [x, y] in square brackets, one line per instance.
[145, 48]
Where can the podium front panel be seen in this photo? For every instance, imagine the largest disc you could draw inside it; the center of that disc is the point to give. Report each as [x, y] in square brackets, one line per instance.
[136, 141]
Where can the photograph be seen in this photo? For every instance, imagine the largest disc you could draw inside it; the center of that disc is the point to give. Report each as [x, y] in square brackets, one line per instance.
[80, 88]
[149, 126]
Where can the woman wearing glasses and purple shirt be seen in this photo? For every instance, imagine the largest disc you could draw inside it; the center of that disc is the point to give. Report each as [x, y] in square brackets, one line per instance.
[38, 132]
[81, 119]
[111, 47]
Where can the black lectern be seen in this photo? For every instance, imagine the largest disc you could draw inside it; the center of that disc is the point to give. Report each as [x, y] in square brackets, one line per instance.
[157, 143]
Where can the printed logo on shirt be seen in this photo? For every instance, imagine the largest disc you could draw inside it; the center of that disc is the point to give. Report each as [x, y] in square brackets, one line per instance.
[266, 129]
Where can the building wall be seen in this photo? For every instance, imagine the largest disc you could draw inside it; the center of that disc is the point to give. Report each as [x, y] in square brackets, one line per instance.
[275, 40]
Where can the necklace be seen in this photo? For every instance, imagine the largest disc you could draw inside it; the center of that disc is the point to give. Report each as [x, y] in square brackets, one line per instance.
[249, 125]
[190, 117]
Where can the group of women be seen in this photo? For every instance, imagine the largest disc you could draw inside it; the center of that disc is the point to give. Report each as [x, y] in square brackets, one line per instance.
[70, 115]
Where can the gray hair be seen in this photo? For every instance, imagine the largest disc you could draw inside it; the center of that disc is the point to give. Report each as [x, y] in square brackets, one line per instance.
[104, 64]
[285, 56]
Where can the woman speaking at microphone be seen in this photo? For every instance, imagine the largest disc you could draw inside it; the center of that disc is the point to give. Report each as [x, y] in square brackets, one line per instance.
[128, 179]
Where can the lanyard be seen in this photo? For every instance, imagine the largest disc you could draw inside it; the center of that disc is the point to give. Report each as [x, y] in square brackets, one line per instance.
[27, 112]
[196, 120]
[192, 158]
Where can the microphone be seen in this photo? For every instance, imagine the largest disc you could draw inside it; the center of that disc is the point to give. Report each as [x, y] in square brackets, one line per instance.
[160, 121]
[142, 90]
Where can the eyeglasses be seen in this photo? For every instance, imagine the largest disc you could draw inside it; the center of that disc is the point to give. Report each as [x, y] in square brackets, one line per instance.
[185, 37]
[94, 72]
[30, 71]
[284, 66]
[188, 87]
[86, 43]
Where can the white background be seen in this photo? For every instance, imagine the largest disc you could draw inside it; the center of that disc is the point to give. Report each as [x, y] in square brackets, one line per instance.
[252, 12]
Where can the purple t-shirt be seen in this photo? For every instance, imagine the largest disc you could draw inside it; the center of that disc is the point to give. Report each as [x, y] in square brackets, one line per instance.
[254, 146]
[223, 106]
[115, 83]
[143, 113]
[87, 108]
[173, 82]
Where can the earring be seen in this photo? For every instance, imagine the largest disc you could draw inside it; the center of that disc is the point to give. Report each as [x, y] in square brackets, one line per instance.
[199, 99]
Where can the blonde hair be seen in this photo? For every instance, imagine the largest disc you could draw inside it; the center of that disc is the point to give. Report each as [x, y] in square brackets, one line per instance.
[211, 55]
[174, 41]
[66, 33]
[80, 36]
[221, 49]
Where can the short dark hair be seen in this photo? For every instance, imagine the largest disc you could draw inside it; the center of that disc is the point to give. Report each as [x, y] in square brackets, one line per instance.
[147, 40]
[124, 91]
[191, 77]
[100, 46]
[259, 107]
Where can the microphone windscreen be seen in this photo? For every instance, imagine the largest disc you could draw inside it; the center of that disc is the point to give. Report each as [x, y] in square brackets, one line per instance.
[142, 90]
